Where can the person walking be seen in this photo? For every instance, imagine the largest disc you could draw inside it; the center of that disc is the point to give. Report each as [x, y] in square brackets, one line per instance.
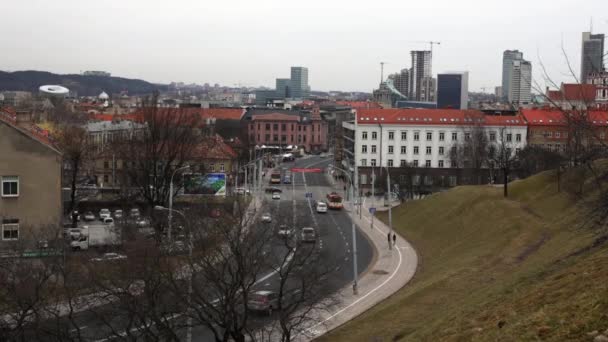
[389, 241]
[394, 239]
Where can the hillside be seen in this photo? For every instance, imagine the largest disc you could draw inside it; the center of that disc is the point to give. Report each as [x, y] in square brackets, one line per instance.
[83, 85]
[526, 268]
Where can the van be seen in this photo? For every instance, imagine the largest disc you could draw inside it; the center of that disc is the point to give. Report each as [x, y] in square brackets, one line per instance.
[321, 207]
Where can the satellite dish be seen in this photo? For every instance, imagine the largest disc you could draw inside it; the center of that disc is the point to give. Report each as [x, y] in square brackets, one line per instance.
[54, 90]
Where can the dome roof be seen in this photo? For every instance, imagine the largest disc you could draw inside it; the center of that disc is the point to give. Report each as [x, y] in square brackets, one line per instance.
[103, 96]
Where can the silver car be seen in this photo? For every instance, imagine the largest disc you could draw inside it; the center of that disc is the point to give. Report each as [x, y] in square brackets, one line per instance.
[308, 234]
[263, 301]
[266, 218]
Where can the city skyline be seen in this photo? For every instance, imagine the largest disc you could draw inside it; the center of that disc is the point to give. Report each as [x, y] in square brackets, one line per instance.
[198, 45]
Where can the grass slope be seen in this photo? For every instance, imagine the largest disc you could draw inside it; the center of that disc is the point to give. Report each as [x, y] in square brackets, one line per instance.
[494, 269]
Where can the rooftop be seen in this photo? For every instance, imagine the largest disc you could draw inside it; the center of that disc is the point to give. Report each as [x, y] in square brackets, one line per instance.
[435, 117]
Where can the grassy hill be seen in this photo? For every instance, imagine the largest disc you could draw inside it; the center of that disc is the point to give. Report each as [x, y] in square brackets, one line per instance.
[530, 267]
[84, 85]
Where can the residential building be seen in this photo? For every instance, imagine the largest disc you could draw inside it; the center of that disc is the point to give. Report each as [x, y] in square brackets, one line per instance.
[420, 69]
[572, 96]
[299, 82]
[30, 177]
[422, 139]
[516, 78]
[285, 128]
[592, 54]
[453, 90]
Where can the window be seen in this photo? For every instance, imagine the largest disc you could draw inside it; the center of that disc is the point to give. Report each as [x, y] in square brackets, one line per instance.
[275, 127]
[275, 137]
[441, 136]
[268, 126]
[363, 148]
[509, 137]
[557, 135]
[492, 136]
[402, 163]
[518, 136]
[312, 128]
[429, 136]
[440, 163]
[374, 135]
[312, 138]
[267, 137]
[441, 150]
[427, 163]
[304, 137]
[211, 167]
[373, 148]
[10, 186]
[106, 164]
[283, 138]
[283, 127]
[363, 162]
[415, 162]
[403, 135]
[373, 162]
[10, 230]
[292, 127]
[454, 136]
[550, 134]
[416, 149]
[106, 178]
[428, 150]
[467, 136]
[258, 125]
[390, 163]
[391, 135]
[391, 149]
[517, 150]
[364, 135]
[222, 168]
[299, 128]
[403, 149]
[416, 136]
[453, 163]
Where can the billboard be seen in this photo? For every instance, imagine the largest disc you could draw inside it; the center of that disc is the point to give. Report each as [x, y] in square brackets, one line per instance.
[213, 184]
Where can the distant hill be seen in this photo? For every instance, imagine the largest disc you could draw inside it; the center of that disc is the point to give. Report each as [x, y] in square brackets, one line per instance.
[84, 85]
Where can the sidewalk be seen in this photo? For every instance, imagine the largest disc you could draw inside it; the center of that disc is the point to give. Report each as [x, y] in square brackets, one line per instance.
[392, 270]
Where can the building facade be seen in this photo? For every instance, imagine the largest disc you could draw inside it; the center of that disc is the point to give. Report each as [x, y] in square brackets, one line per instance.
[299, 82]
[592, 54]
[30, 193]
[453, 90]
[600, 81]
[420, 69]
[421, 141]
[516, 78]
[282, 87]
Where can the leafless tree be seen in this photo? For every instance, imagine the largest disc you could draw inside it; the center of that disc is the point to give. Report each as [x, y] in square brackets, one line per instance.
[502, 154]
[471, 153]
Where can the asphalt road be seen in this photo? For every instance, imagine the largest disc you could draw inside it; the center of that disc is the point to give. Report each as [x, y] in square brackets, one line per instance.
[334, 234]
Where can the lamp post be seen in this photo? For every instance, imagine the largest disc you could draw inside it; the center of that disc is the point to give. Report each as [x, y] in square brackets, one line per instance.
[354, 236]
[171, 199]
[189, 316]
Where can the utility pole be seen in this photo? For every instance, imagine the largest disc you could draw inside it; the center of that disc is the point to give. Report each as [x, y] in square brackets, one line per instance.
[373, 196]
[390, 211]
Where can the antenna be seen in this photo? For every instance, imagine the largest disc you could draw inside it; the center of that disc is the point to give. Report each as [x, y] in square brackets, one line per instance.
[382, 71]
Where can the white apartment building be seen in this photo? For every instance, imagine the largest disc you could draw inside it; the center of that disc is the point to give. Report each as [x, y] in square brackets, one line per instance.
[424, 137]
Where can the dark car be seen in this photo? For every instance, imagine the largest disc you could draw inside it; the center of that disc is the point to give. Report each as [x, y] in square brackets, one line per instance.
[272, 189]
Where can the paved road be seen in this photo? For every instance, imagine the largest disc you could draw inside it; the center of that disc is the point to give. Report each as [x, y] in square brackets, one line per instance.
[334, 240]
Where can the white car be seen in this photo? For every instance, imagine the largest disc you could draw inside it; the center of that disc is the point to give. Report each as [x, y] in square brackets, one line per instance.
[321, 207]
[308, 234]
[134, 213]
[104, 213]
[118, 213]
[276, 195]
[142, 223]
[88, 216]
[266, 218]
[108, 221]
[285, 231]
[110, 257]
[242, 191]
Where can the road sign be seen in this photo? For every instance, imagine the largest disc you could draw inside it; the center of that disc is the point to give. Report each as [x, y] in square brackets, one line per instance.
[307, 170]
[372, 210]
[309, 195]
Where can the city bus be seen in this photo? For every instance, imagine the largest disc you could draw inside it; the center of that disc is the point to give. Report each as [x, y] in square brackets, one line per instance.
[334, 201]
[275, 178]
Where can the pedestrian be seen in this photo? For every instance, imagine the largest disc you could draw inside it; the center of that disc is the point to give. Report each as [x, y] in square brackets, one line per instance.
[394, 239]
[389, 240]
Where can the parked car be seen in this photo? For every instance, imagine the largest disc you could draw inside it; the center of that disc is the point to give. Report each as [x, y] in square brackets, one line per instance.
[134, 213]
[285, 231]
[276, 195]
[266, 218]
[108, 220]
[89, 216]
[142, 223]
[103, 213]
[242, 191]
[118, 214]
[308, 234]
[262, 301]
[110, 257]
[321, 207]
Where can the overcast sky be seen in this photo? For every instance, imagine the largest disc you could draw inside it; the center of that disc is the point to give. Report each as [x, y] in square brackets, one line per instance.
[252, 42]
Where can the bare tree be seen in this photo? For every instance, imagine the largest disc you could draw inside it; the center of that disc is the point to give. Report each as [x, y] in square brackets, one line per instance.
[502, 154]
[470, 153]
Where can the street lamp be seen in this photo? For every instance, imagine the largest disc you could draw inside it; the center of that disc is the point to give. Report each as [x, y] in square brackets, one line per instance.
[354, 236]
[189, 317]
[171, 199]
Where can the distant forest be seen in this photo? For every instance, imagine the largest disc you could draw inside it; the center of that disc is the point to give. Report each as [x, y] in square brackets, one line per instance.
[82, 85]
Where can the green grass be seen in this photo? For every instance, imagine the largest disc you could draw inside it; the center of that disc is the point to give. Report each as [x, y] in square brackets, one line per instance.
[487, 261]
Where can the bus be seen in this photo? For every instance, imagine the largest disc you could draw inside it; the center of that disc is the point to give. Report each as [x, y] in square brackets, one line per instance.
[334, 201]
[275, 178]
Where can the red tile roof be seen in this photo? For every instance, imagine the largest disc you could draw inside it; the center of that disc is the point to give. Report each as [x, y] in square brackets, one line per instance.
[553, 117]
[33, 131]
[215, 148]
[360, 104]
[573, 92]
[434, 117]
[275, 117]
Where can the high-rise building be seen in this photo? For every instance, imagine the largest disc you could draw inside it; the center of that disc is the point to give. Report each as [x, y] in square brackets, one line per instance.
[453, 90]
[421, 68]
[283, 87]
[299, 83]
[401, 81]
[592, 55]
[428, 89]
[516, 78]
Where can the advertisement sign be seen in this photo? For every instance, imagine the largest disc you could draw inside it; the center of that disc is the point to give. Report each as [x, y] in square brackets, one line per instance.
[213, 184]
